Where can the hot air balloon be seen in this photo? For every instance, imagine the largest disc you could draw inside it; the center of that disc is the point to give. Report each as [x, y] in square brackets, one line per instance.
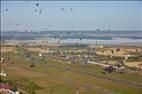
[6, 9]
[98, 29]
[72, 26]
[35, 10]
[37, 4]
[71, 9]
[40, 11]
[62, 9]
[45, 29]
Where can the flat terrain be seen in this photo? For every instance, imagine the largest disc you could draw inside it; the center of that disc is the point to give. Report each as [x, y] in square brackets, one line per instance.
[51, 74]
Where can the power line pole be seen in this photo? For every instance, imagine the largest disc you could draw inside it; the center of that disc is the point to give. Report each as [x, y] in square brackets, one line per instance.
[51, 90]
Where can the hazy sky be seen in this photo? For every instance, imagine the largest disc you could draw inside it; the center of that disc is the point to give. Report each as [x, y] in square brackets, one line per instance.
[85, 15]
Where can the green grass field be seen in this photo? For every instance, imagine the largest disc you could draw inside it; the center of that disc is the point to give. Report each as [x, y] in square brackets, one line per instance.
[55, 76]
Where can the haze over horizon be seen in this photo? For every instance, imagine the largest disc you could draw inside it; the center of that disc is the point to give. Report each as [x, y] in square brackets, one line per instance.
[71, 15]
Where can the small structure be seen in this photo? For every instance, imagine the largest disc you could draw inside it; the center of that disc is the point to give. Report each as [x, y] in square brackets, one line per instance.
[3, 74]
[126, 57]
[109, 69]
[40, 54]
[69, 62]
[120, 63]
[140, 66]
[5, 88]
[101, 46]
[2, 59]
[32, 65]
[121, 69]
